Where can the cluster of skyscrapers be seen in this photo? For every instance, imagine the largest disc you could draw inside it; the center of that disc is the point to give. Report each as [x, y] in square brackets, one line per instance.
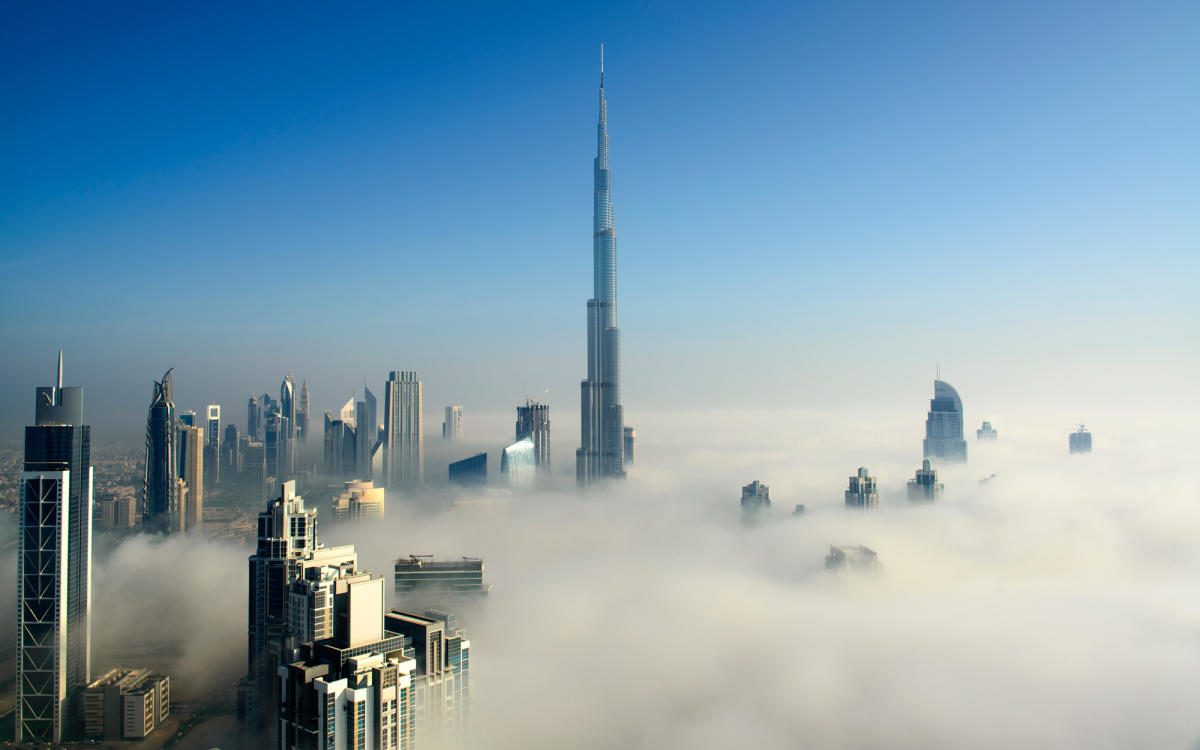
[327, 668]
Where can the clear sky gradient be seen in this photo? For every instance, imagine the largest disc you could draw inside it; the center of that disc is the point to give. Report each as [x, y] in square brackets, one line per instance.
[814, 203]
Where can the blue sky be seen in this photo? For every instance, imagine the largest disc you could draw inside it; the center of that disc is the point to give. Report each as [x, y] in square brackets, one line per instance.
[813, 202]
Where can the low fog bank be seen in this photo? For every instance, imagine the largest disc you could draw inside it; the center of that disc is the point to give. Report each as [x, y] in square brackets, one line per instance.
[1057, 604]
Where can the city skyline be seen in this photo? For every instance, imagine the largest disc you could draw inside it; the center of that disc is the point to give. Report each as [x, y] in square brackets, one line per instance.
[925, 168]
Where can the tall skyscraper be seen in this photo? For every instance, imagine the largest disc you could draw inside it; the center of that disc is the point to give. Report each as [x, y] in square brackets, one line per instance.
[363, 441]
[253, 419]
[191, 471]
[602, 420]
[372, 415]
[533, 422]
[54, 556]
[162, 460]
[231, 452]
[287, 546]
[986, 432]
[862, 492]
[944, 425]
[756, 501]
[212, 446]
[287, 440]
[452, 427]
[404, 456]
[302, 406]
[442, 679]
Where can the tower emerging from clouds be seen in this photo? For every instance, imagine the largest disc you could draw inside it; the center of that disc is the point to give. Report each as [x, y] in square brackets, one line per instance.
[54, 557]
[601, 452]
[403, 458]
[944, 425]
[159, 503]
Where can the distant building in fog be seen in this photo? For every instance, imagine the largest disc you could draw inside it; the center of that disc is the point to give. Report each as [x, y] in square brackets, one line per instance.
[533, 422]
[799, 510]
[253, 419]
[404, 441]
[231, 453]
[925, 486]
[423, 573]
[470, 472]
[1080, 440]
[630, 445]
[944, 425]
[302, 406]
[360, 499]
[126, 704]
[986, 432]
[850, 557]
[212, 446]
[117, 512]
[862, 492]
[518, 464]
[756, 500]
[452, 427]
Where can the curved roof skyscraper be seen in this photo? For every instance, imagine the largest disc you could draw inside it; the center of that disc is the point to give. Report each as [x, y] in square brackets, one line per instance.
[601, 452]
[944, 425]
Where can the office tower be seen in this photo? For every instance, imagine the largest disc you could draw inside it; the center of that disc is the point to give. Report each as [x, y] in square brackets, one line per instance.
[287, 441]
[212, 446]
[340, 447]
[287, 546]
[986, 432]
[188, 418]
[348, 412]
[403, 460]
[944, 425]
[254, 467]
[452, 427]
[54, 555]
[518, 464]
[421, 574]
[601, 452]
[925, 486]
[191, 471]
[177, 518]
[533, 422]
[162, 459]
[126, 704]
[442, 684]
[302, 406]
[359, 500]
[231, 453]
[253, 419]
[372, 414]
[756, 501]
[856, 556]
[630, 446]
[275, 429]
[363, 441]
[470, 472]
[862, 492]
[1080, 441]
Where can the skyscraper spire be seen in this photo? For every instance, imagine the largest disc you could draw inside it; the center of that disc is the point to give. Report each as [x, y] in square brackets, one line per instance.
[601, 451]
[60, 358]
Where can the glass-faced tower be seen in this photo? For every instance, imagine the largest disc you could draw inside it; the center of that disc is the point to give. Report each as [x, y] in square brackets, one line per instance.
[602, 420]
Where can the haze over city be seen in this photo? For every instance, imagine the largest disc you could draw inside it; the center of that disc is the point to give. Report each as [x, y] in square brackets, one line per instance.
[845, 241]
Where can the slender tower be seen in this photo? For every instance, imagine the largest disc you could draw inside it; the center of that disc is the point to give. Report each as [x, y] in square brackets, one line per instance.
[602, 420]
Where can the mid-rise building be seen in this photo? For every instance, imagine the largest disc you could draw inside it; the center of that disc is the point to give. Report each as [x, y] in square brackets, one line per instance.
[862, 492]
[54, 557]
[162, 458]
[212, 446]
[117, 512]
[858, 556]
[533, 422]
[191, 471]
[986, 432]
[944, 425]
[126, 704]
[518, 464]
[404, 443]
[925, 487]
[359, 500]
[422, 574]
[756, 500]
[442, 685]
[452, 426]
[470, 472]
[1080, 441]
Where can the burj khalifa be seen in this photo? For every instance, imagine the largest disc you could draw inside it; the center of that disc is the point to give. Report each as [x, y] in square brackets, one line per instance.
[602, 420]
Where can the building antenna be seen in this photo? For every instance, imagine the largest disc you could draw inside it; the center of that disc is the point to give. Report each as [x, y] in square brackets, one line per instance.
[939, 370]
[60, 369]
[601, 64]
